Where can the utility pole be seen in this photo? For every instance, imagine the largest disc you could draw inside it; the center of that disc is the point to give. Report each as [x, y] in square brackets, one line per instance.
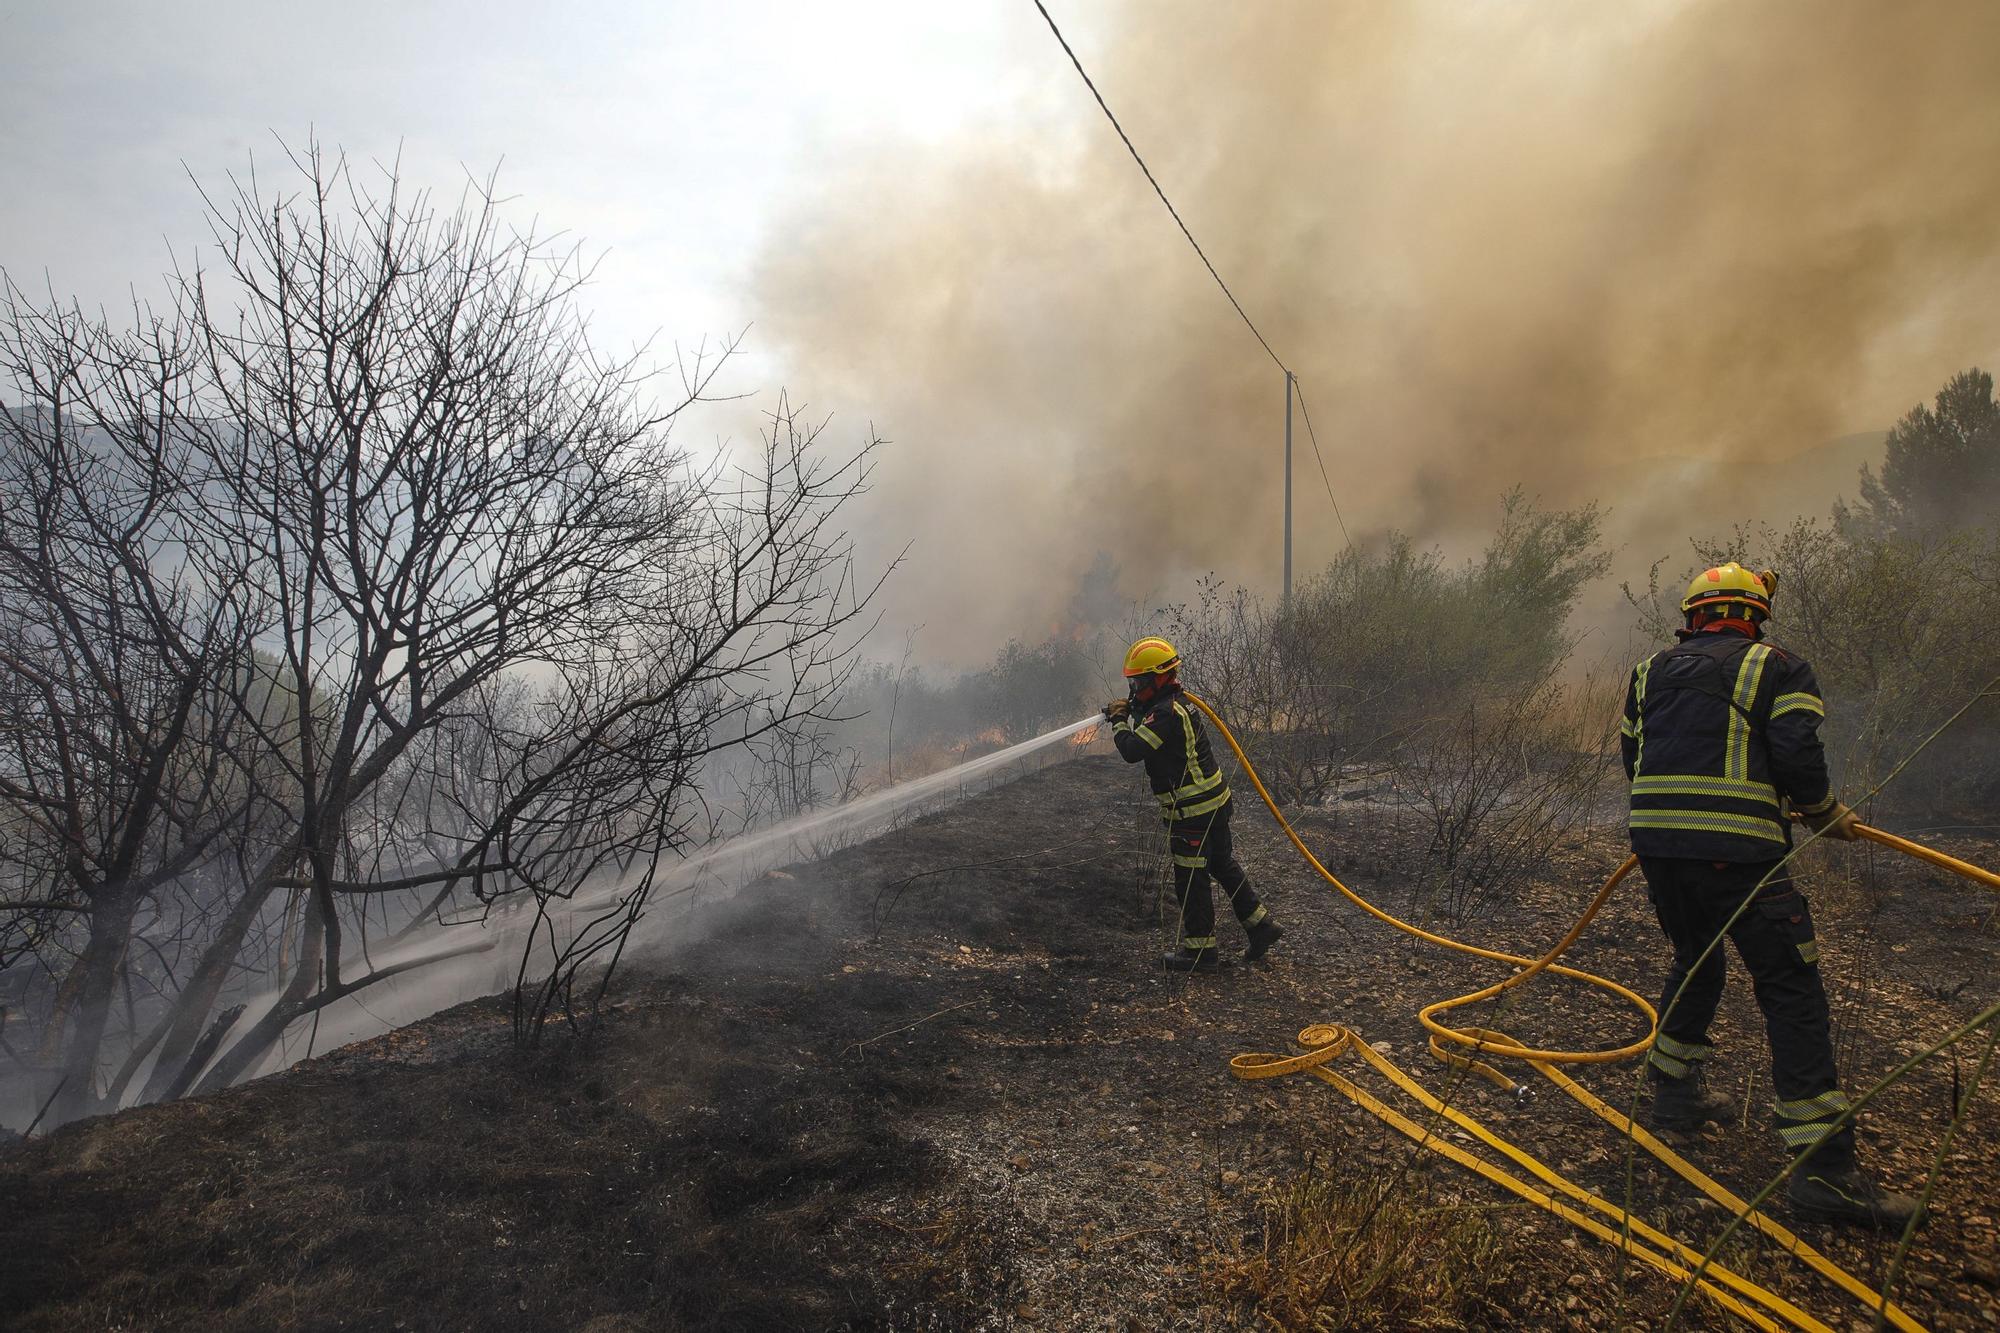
[1288, 491]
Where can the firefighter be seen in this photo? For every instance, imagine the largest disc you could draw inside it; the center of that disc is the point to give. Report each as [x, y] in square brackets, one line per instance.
[1154, 726]
[1720, 734]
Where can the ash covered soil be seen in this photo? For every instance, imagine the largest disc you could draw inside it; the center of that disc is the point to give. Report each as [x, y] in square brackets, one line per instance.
[934, 1081]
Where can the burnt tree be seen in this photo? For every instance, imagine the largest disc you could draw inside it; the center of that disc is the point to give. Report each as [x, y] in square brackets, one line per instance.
[439, 613]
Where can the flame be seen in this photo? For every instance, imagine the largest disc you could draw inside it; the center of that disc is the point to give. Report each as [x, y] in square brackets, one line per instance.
[1085, 737]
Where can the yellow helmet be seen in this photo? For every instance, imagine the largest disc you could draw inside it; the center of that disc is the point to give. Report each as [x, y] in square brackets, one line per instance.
[1731, 585]
[1151, 656]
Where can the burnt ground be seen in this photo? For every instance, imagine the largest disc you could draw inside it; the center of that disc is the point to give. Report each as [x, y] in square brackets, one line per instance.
[934, 1082]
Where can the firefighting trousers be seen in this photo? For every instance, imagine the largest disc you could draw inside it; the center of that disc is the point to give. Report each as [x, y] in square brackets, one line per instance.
[1774, 938]
[1203, 851]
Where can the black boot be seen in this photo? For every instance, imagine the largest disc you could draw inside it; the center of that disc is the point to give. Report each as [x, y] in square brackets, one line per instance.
[1262, 936]
[1684, 1105]
[1192, 960]
[1840, 1191]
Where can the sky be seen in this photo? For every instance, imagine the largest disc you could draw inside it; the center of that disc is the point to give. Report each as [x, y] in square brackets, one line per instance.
[1657, 255]
[660, 135]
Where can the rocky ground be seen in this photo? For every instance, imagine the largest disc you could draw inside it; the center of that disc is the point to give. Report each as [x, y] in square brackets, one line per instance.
[933, 1081]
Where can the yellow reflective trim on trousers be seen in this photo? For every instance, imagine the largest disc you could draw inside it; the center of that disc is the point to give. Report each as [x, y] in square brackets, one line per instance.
[1191, 862]
[1666, 1064]
[1749, 675]
[1255, 916]
[1685, 1050]
[1814, 1108]
[1708, 821]
[1702, 784]
[1801, 702]
[1197, 941]
[1799, 1136]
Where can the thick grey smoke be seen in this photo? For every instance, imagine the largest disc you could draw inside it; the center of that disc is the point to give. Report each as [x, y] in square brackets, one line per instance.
[1614, 252]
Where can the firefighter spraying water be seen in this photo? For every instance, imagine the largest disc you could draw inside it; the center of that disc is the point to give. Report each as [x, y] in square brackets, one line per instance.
[1154, 727]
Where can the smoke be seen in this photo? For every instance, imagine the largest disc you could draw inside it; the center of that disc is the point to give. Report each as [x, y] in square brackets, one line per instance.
[1655, 255]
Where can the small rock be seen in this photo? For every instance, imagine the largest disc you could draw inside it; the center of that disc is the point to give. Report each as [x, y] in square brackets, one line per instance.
[1027, 1314]
[1231, 1177]
[1019, 1161]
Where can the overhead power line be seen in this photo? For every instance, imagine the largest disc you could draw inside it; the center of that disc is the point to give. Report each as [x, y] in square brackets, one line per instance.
[1304, 412]
[1248, 323]
[1084, 74]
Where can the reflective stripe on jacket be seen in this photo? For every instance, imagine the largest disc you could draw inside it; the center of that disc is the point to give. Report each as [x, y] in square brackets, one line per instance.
[1173, 745]
[1716, 732]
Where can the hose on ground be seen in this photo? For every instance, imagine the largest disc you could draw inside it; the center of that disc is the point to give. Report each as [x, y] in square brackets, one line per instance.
[1324, 1042]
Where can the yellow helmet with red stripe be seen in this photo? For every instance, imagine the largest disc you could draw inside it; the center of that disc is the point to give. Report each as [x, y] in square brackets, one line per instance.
[1728, 586]
[1149, 657]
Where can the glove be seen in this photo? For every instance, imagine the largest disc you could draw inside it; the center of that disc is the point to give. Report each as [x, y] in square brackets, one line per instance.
[1836, 821]
[1117, 709]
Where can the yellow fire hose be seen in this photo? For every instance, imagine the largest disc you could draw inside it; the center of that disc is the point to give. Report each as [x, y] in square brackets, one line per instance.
[1923, 853]
[1323, 1043]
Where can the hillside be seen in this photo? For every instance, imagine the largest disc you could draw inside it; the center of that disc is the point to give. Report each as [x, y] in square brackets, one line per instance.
[933, 1082]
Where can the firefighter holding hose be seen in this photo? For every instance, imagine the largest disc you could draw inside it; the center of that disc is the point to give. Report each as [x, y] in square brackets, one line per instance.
[1720, 734]
[1155, 727]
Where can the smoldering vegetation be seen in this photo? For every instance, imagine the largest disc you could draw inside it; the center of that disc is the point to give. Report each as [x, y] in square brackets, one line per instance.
[352, 592]
[1665, 257]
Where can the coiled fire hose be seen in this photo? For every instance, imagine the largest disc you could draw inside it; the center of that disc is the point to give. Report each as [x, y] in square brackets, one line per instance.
[1322, 1043]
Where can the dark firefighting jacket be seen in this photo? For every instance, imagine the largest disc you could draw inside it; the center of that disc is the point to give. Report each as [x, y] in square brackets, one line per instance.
[1717, 732]
[1170, 741]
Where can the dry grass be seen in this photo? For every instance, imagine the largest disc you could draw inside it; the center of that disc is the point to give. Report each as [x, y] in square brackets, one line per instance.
[1338, 1254]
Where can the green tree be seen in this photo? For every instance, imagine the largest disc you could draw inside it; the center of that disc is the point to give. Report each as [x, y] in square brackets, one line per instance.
[1940, 468]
